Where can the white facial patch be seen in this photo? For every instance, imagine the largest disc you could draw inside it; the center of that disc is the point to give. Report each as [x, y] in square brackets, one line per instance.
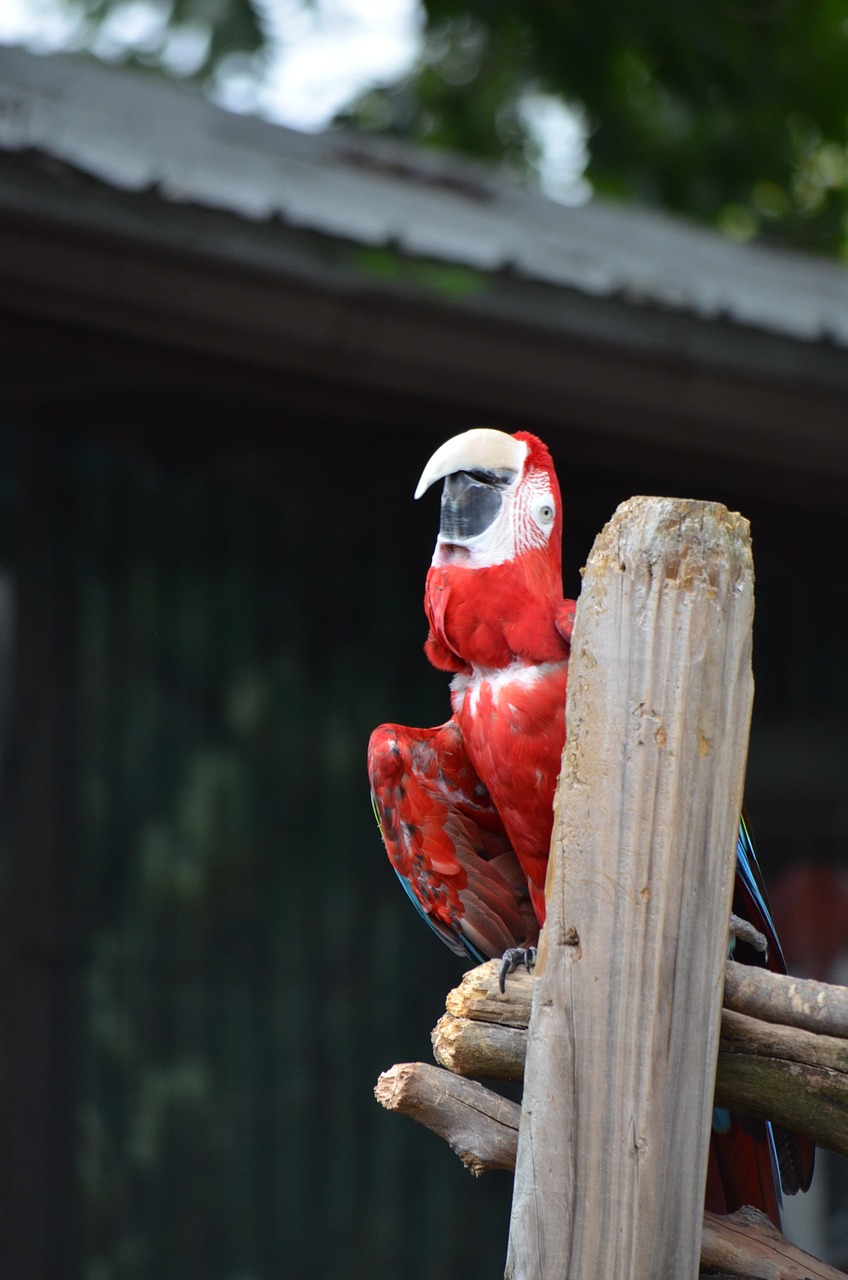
[524, 522]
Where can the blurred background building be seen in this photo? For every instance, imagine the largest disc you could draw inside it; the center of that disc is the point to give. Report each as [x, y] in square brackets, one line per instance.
[227, 350]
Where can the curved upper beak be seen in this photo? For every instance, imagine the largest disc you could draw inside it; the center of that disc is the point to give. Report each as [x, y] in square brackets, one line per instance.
[481, 450]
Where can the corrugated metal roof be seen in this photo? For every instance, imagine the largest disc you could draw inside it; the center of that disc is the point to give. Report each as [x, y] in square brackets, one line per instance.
[136, 132]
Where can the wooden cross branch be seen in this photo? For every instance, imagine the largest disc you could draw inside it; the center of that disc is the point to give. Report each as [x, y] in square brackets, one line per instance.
[482, 1129]
[779, 1071]
[766, 1024]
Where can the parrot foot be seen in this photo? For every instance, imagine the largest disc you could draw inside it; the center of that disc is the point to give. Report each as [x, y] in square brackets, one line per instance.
[746, 932]
[511, 959]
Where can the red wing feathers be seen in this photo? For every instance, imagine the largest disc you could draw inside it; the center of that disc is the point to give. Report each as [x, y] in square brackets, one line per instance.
[565, 619]
[446, 842]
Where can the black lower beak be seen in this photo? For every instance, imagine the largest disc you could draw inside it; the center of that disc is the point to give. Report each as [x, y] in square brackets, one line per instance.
[470, 504]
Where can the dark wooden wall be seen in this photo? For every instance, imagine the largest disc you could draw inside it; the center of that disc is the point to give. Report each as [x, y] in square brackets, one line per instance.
[217, 585]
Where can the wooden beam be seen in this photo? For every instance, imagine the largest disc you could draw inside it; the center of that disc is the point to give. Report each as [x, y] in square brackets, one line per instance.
[623, 1038]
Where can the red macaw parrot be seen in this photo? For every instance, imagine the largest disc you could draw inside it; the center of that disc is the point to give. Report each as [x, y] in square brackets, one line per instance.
[466, 809]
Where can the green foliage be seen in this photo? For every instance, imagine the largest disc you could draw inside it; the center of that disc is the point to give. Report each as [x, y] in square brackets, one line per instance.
[449, 282]
[189, 38]
[735, 114]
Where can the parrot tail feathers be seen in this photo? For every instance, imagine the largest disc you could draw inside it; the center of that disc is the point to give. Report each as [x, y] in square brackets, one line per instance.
[795, 1159]
[743, 1169]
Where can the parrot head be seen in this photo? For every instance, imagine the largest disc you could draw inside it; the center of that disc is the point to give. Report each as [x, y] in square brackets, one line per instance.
[494, 587]
[500, 499]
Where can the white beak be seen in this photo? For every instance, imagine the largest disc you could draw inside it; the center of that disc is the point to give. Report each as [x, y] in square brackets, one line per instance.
[481, 449]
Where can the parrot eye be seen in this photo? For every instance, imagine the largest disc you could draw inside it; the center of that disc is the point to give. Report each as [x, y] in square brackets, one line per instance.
[545, 513]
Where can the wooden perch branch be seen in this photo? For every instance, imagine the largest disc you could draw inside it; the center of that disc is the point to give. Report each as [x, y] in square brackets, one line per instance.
[770, 997]
[793, 1077]
[797, 1078]
[478, 1125]
[795, 1002]
[482, 1128]
[746, 1244]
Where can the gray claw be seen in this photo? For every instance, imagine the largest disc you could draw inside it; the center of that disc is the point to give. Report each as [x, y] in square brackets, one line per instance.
[511, 959]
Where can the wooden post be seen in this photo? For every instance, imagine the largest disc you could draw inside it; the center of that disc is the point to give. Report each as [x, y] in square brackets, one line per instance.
[623, 1038]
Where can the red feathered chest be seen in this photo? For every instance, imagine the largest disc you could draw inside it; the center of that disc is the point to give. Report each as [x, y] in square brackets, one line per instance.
[513, 726]
[490, 617]
[496, 627]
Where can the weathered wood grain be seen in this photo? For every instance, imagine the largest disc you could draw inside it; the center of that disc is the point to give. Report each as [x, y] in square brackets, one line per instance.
[784, 1074]
[479, 1126]
[746, 1245]
[623, 1036]
[479, 1049]
[795, 1002]
[811, 1005]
